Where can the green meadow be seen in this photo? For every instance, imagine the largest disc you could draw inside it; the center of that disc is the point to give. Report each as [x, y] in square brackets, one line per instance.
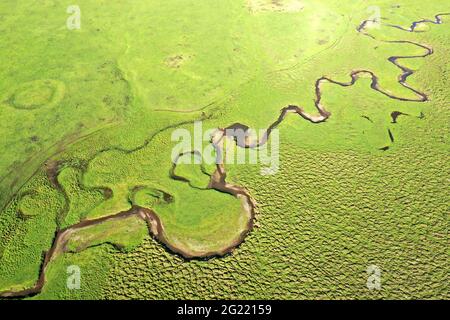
[88, 117]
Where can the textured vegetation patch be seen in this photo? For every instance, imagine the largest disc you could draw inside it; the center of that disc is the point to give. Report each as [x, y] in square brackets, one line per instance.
[38, 94]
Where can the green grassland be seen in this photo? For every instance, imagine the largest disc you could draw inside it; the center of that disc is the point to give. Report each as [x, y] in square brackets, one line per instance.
[87, 118]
